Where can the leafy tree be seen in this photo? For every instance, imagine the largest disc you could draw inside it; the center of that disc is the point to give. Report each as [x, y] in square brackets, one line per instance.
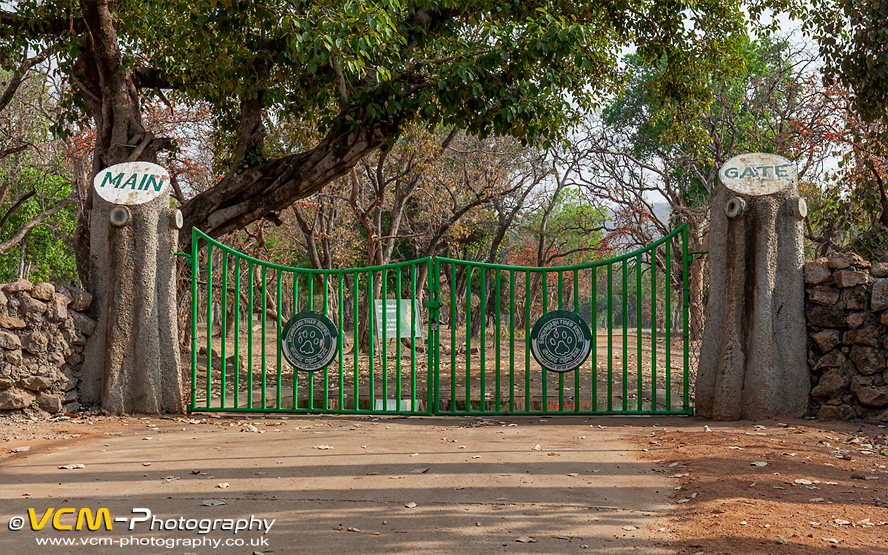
[358, 73]
[36, 214]
[854, 42]
[633, 158]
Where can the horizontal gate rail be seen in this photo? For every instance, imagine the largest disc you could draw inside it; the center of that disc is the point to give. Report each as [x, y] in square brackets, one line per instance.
[442, 336]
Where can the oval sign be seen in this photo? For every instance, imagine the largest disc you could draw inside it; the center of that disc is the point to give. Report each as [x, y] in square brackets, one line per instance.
[132, 183]
[757, 173]
[560, 341]
[309, 341]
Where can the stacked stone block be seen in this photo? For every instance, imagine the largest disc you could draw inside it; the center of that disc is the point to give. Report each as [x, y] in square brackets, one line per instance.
[846, 307]
[42, 334]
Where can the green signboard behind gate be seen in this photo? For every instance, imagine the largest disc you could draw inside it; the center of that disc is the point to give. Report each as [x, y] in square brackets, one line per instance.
[393, 328]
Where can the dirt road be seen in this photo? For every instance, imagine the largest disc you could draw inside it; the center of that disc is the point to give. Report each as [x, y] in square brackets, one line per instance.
[337, 485]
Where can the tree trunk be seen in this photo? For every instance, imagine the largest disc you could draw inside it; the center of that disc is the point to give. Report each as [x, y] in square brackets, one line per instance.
[131, 361]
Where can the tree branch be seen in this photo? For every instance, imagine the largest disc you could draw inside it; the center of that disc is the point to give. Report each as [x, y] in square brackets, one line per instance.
[23, 231]
[19, 75]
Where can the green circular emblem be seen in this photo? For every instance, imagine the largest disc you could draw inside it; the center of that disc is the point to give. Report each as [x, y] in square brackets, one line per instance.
[309, 341]
[560, 341]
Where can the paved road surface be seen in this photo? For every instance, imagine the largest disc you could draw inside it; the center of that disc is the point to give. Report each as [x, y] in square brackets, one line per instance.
[348, 485]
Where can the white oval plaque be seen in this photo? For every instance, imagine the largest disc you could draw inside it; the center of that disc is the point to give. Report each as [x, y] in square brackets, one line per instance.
[132, 183]
[756, 173]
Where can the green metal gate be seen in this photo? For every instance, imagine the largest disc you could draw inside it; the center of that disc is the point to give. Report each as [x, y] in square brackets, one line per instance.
[442, 336]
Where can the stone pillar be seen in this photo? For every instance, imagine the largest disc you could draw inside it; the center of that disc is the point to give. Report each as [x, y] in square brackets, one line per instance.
[753, 357]
[131, 361]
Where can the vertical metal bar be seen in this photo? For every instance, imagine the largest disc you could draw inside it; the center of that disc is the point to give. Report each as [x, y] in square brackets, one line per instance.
[625, 335]
[295, 311]
[250, 287]
[452, 336]
[398, 338]
[414, 313]
[279, 354]
[310, 375]
[209, 321]
[340, 282]
[264, 334]
[237, 317]
[224, 327]
[654, 329]
[468, 338]
[668, 245]
[496, 307]
[638, 295]
[384, 332]
[482, 348]
[610, 336]
[576, 296]
[194, 277]
[527, 313]
[511, 340]
[356, 298]
[326, 295]
[686, 301]
[545, 373]
[560, 374]
[371, 316]
[433, 342]
[594, 338]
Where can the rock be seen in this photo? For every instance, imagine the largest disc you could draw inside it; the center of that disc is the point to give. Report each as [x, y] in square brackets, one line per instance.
[855, 319]
[58, 308]
[854, 298]
[835, 412]
[37, 383]
[830, 383]
[11, 322]
[825, 316]
[850, 278]
[825, 295]
[817, 271]
[826, 339]
[6, 382]
[43, 291]
[3, 298]
[50, 403]
[879, 299]
[845, 259]
[83, 324]
[879, 269]
[867, 359]
[868, 394]
[866, 336]
[14, 357]
[832, 359]
[80, 299]
[882, 416]
[13, 399]
[17, 285]
[31, 308]
[35, 342]
[884, 319]
[10, 340]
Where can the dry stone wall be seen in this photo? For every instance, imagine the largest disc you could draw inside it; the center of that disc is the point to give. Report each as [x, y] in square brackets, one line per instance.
[847, 312]
[42, 334]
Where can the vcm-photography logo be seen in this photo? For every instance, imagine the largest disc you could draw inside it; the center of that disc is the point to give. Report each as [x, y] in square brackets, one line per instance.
[70, 518]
